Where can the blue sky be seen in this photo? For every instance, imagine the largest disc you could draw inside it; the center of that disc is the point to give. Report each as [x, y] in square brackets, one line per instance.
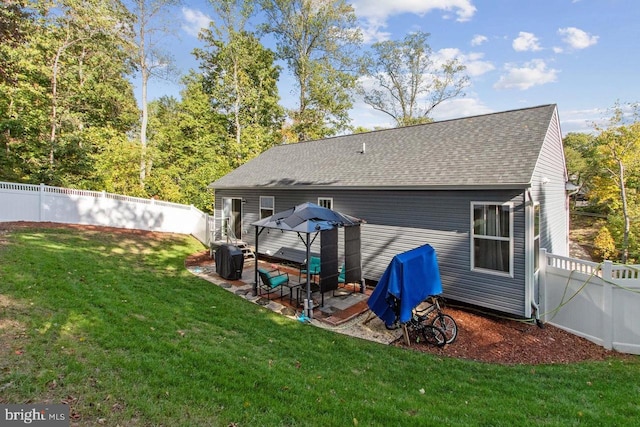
[583, 55]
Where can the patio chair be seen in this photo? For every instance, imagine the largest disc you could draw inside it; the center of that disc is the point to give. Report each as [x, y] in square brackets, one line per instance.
[272, 280]
[342, 275]
[314, 268]
[342, 278]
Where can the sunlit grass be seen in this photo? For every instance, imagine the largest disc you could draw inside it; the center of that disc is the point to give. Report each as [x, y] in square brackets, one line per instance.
[119, 329]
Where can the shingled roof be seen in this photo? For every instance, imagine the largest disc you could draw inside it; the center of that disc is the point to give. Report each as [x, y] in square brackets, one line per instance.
[496, 150]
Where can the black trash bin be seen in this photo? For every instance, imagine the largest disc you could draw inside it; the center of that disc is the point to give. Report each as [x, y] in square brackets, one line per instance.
[229, 262]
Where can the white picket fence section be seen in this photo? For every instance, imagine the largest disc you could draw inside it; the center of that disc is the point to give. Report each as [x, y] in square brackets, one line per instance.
[600, 302]
[42, 203]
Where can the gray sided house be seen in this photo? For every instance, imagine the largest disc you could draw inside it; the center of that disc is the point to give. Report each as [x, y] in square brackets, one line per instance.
[486, 192]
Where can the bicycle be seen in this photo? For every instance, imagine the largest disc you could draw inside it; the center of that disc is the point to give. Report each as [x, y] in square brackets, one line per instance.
[440, 320]
[417, 330]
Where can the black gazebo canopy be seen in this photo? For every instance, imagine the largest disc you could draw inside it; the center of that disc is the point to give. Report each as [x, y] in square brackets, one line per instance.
[309, 218]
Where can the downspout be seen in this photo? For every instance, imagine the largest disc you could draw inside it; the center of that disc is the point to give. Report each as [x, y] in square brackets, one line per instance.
[534, 304]
[536, 311]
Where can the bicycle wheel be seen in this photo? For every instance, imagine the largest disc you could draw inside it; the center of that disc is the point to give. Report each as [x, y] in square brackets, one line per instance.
[447, 324]
[433, 335]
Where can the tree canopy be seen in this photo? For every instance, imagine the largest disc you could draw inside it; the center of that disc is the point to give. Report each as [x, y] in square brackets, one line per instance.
[317, 39]
[406, 82]
[607, 166]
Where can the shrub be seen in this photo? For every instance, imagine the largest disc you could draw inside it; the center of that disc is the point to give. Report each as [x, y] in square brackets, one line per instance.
[604, 245]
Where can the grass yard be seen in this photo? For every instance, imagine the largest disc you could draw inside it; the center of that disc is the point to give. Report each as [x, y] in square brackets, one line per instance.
[113, 325]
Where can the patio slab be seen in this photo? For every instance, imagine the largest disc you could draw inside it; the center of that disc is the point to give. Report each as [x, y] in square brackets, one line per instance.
[339, 307]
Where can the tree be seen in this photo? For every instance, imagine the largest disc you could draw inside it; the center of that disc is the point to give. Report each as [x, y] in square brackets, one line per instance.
[578, 152]
[67, 80]
[618, 155]
[406, 82]
[21, 115]
[241, 79]
[318, 40]
[189, 146]
[150, 59]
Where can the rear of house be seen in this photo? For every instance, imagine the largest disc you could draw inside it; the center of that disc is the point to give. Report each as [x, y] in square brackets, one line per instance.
[486, 192]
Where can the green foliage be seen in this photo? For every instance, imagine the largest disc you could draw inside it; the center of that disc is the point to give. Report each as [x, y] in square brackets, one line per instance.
[66, 80]
[318, 40]
[604, 246]
[240, 79]
[578, 151]
[617, 159]
[116, 164]
[187, 145]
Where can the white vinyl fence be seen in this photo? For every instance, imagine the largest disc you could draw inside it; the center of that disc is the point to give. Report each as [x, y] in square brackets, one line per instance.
[42, 203]
[600, 302]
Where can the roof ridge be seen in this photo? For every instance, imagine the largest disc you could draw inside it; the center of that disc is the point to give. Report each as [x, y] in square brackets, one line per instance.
[423, 124]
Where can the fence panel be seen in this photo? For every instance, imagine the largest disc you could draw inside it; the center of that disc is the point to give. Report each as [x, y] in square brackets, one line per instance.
[603, 306]
[22, 202]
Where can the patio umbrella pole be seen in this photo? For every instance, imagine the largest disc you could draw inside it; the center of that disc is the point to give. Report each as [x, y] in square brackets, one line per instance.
[308, 303]
[255, 266]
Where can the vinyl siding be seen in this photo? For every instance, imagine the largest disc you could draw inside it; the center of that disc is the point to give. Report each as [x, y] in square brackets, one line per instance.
[554, 203]
[397, 221]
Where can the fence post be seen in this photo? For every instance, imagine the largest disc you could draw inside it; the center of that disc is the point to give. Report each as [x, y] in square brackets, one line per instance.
[607, 305]
[542, 284]
[41, 207]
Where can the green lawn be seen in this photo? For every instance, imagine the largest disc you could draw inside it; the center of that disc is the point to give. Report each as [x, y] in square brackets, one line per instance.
[118, 328]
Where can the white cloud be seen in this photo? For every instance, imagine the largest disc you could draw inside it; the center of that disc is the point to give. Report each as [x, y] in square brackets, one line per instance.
[383, 9]
[194, 21]
[533, 73]
[460, 107]
[372, 32]
[576, 38]
[478, 39]
[526, 41]
[473, 60]
[581, 120]
[374, 14]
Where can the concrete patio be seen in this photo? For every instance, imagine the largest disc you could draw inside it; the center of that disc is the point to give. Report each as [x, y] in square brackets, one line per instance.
[345, 310]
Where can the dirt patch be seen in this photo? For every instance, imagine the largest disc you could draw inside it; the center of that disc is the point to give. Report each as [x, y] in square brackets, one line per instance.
[7, 226]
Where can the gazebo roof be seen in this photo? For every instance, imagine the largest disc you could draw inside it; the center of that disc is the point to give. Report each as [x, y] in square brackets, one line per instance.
[307, 218]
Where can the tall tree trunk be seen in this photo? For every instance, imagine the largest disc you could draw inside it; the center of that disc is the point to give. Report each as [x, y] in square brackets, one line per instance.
[143, 129]
[236, 106]
[625, 213]
[54, 105]
[145, 108]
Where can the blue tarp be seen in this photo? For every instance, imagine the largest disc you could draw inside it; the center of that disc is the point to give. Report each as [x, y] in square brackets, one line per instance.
[409, 279]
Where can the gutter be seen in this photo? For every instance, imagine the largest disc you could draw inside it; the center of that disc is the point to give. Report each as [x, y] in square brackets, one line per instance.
[508, 186]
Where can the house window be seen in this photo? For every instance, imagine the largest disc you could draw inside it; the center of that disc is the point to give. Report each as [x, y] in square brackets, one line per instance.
[325, 202]
[536, 236]
[492, 237]
[267, 204]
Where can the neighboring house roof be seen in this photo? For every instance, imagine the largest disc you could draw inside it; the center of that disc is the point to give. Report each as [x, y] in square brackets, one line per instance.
[498, 150]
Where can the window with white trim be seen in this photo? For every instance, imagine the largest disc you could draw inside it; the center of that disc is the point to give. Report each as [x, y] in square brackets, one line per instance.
[325, 202]
[492, 237]
[267, 206]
